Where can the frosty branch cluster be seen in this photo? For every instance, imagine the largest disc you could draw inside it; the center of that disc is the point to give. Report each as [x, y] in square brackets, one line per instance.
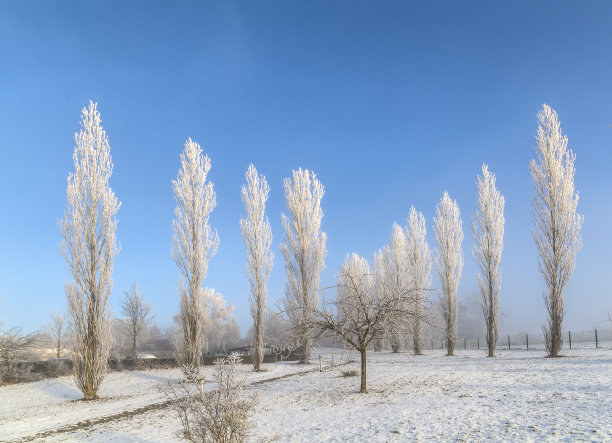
[89, 247]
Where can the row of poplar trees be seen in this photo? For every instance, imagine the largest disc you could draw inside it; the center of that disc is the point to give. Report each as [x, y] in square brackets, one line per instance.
[89, 245]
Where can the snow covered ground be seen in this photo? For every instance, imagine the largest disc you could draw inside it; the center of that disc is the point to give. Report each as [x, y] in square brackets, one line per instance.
[518, 396]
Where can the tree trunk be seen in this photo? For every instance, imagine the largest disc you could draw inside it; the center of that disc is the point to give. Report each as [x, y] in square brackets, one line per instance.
[134, 348]
[490, 334]
[363, 389]
[305, 348]
[416, 336]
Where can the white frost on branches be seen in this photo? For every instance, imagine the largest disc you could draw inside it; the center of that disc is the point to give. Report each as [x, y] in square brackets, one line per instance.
[418, 263]
[90, 248]
[557, 224]
[304, 252]
[193, 243]
[449, 263]
[257, 236]
[488, 230]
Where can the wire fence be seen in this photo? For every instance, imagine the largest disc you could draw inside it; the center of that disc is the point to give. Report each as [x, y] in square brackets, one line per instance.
[589, 339]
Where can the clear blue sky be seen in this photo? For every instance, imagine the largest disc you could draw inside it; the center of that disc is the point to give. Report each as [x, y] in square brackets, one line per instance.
[390, 103]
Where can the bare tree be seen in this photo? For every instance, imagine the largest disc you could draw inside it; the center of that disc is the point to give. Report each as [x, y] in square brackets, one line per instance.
[304, 253]
[137, 315]
[557, 224]
[57, 331]
[193, 244]
[89, 247]
[366, 305]
[393, 268]
[418, 262]
[257, 236]
[488, 230]
[449, 263]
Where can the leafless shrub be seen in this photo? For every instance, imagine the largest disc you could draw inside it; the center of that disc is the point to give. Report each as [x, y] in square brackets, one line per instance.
[14, 343]
[350, 373]
[219, 416]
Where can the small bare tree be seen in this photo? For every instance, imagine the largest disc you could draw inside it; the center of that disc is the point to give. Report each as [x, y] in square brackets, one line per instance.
[488, 229]
[418, 259]
[557, 224]
[366, 305]
[304, 253]
[137, 315]
[57, 331]
[257, 236]
[193, 244]
[449, 263]
[90, 248]
[219, 416]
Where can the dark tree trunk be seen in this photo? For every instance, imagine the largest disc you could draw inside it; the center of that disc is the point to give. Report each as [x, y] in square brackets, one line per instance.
[363, 389]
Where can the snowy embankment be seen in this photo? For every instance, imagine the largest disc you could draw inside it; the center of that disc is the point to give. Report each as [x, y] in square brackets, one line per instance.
[517, 396]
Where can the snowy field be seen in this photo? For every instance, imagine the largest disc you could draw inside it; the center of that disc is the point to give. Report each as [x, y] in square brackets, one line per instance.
[518, 396]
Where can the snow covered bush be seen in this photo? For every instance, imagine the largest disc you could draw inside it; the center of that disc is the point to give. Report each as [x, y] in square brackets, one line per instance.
[219, 416]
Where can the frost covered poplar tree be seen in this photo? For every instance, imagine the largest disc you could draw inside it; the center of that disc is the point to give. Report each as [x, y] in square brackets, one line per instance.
[557, 224]
[257, 236]
[89, 247]
[394, 270]
[449, 264]
[488, 230]
[193, 244]
[418, 264]
[304, 253]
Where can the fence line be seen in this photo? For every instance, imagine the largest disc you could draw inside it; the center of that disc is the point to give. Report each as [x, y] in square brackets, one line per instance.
[589, 339]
